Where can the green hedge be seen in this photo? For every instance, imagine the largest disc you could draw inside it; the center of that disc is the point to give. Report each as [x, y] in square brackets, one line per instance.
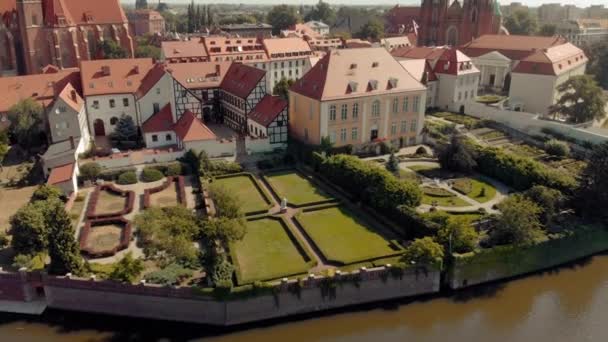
[128, 177]
[509, 261]
[151, 174]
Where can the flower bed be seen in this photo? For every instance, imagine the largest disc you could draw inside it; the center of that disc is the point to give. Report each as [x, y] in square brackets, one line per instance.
[93, 202]
[436, 192]
[181, 191]
[462, 185]
[87, 230]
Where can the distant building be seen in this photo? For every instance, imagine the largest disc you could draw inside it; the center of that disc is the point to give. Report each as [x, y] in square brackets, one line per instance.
[402, 19]
[325, 44]
[391, 43]
[146, 21]
[321, 28]
[241, 90]
[188, 51]
[288, 58]
[584, 32]
[357, 97]
[259, 30]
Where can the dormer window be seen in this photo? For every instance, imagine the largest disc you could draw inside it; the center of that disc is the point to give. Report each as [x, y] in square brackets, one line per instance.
[392, 83]
[373, 85]
[375, 64]
[352, 87]
[353, 66]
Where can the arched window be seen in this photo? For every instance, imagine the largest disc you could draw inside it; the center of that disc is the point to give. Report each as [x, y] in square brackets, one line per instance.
[113, 120]
[376, 108]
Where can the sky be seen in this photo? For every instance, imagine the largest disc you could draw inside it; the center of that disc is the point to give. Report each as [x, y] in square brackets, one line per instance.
[579, 3]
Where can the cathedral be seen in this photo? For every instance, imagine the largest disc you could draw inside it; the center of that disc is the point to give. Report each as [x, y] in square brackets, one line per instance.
[455, 24]
[36, 33]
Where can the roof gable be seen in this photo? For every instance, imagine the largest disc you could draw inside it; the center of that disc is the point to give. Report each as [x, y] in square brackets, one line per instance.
[159, 122]
[114, 76]
[267, 110]
[241, 79]
[494, 55]
[190, 128]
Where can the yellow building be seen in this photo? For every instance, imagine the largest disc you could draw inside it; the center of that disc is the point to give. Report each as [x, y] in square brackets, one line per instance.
[357, 97]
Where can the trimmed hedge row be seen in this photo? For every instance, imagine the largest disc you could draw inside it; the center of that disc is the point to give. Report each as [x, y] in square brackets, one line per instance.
[181, 190]
[129, 195]
[125, 236]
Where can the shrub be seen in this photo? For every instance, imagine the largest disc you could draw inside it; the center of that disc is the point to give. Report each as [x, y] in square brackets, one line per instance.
[46, 192]
[112, 175]
[126, 178]
[557, 148]
[171, 275]
[425, 251]
[221, 273]
[22, 260]
[385, 148]
[3, 240]
[421, 150]
[436, 192]
[151, 174]
[175, 169]
[127, 269]
[90, 171]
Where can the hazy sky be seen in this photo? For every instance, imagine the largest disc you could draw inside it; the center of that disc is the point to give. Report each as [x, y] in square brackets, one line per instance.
[580, 3]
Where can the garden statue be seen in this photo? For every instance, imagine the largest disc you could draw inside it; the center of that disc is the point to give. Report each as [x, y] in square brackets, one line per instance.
[284, 205]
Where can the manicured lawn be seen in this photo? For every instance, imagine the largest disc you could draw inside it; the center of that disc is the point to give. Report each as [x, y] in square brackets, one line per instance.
[422, 167]
[109, 202]
[446, 200]
[77, 208]
[297, 189]
[342, 237]
[12, 199]
[478, 190]
[103, 238]
[165, 198]
[245, 190]
[267, 253]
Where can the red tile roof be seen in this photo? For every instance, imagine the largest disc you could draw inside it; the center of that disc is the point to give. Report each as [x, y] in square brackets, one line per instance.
[512, 46]
[188, 49]
[413, 52]
[356, 43]
[159, 122]
[267, 110]
[8, 6]
[454, 62]
[41, 87]
[150, 80]
[552, 61]
[61, 174]
[70, 96]
[84, 12]
[286, 48]
[190, 128]
[201, 75]
[114, 76]
[241, 79]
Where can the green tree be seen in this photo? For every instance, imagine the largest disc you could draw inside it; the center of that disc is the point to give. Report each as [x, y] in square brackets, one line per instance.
[458, 235]
[22, 261]
[373, 29]
[223, 229]
[282, 17]
[592, 194]
[423, 251]
[458, 155]
[581, 100]
[29, 229]
[521, 22]
[90, 171]
[125, 129]
[518, 223]
[63, 248]
[109, 49]
[597, 66]
[141, 4]
[557, 148]
[547, 30]
[322, 12]
[47, 192]
[127, 269]
[26, 120]
[226, 203]
[147, 51]
[282, 88]
[4, 148]
[393, 164]
[326, 145]
[550, 201]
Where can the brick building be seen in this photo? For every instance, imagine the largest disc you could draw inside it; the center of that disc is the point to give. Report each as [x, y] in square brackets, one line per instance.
[144, 22]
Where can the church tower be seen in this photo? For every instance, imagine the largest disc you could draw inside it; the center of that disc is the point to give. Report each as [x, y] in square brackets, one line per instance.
[31, 23]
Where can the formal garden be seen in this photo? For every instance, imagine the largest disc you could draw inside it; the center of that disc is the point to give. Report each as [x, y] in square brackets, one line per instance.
[245, 187]
[298, 189]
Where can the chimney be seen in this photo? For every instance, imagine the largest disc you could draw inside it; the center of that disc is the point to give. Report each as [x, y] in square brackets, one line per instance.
[136, 69]
[72, 144]
[105, 70]
[217, 70]
[73, 95]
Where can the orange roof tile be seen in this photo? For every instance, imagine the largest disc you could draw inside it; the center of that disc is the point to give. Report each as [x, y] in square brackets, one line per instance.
[552, 61]
[355, 72]
[267, 110]
[454, 62]
[114, 76]
[87, 12]
[70, 96]
[200, 75]
[285, 48]
[241, 79]
[8, 6]
[413, 52]
[150, 80]
[159, 122]
[512, 46]
[357, 43]
[187, 49]
[190, 128]
[61, 174]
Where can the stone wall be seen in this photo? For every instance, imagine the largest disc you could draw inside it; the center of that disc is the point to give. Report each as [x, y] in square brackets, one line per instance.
[183, 304]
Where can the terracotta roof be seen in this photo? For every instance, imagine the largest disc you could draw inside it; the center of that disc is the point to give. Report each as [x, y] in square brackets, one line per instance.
[70, 96]
[419, 68]
[356, 43]
[190, 128]
[61, 174]
[302, 30]
[267, 110]
[353, 73]
[200, 75]
[114, 76]
[41, 87]
[159, 122]
[512, 46]
[454, 62]
[399, 14]
[8, 6]
[396, 42]
[413, 52]
[187, 49]
[552, 61]
[150, 80]
[285, 48]
[325, 42]
[84, 12]
[241, 79]
[591, 23]
[232, 45]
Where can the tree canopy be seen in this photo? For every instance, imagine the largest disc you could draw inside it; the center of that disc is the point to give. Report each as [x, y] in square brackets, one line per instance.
[458, 235]
[373, 29]
[424, 251]
[282, 17]
[322, 11]
[547, 30]
[125, 129]
[592, 195]
[521, 22]
[581, 100]
[109, 49]
[26, 118]
[282, 88]
[518, 222]
[63, 248]
[597, 66]
[458, 155]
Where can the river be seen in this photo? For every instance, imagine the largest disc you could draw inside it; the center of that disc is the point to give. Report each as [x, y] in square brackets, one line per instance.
[566, 304]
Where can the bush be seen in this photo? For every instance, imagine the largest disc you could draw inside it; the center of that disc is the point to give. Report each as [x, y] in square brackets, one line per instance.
[436, 192]
[425, 251]
[151, 174]
[175, 169]
[112, 175]
[3, 240]
[465, 186]
[221, 273]
[46, 192]
[557, 148]
[90, 171]
[421, 150]
[126, 178]
[170, 275]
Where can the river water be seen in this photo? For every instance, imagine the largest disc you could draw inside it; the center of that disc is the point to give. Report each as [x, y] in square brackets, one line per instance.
[565, 304]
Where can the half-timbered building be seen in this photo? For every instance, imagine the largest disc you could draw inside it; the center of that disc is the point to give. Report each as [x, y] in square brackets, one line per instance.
[241, 90]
